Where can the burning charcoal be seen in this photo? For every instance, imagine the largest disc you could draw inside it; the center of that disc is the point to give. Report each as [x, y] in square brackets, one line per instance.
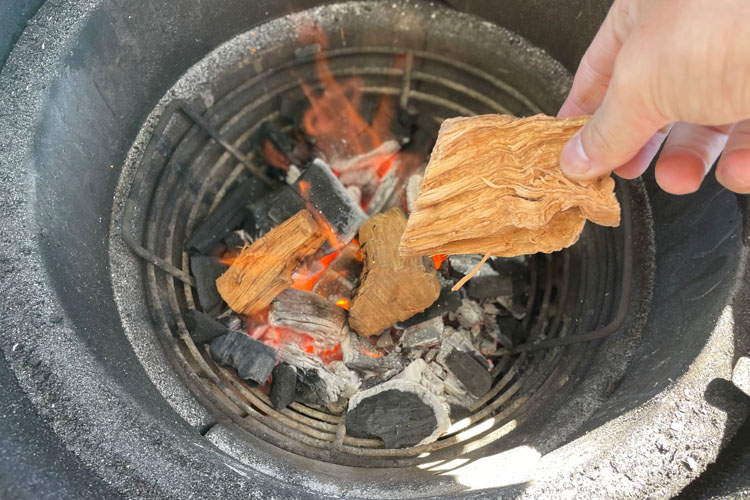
[447, 301]
[206, 271]
[236, 240]
[385, 341]
[279, 149]
[309, 313]
[330, 384]
[454, 391]
[283, 385]
[202, 328]
[229, 214]
[361, 354]
[412, 189]
[456, 339]
[469, 371]
[399, 412]
[342, 276]
[384, 193]
[283, 204]
[252, 359]
[329, 197]
[461, 265]
[423, 334]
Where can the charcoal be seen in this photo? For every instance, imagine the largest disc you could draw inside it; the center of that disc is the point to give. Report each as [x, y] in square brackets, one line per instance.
[384, 193]
[361, 354]
[385, 341]
[469, 371]
[228, 215]
[311, 314]
[330, 384]
[511, 328]
[288, 151]
[283, 385]
[202, 328]
[236, 240]
[512, 306]
[470, 316]
[284, 203]
[482, 287]
[342, 276]
[423, 334]
[447, 301]
[399, 412]
[401, 126]
[329, 197]
[206, 270]
[252, 359]
[461, 265]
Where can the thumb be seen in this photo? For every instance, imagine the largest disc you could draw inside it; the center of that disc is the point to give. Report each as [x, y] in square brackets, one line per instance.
[617, 131]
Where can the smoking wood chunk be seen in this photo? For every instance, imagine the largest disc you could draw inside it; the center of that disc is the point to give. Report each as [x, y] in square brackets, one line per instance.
[265, 268]
[309, 313]
[393, 288]
[494, 186]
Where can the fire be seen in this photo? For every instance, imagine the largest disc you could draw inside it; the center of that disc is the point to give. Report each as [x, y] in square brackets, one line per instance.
[273, 156]
[439, 259]
[343, 303]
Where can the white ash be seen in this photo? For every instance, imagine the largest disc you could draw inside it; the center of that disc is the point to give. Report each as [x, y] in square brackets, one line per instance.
[355, 193]
[292, 174]
[385, 341]
[336, 385]
[470, 316]
[383, 194]
[455, 339]
[464, 264]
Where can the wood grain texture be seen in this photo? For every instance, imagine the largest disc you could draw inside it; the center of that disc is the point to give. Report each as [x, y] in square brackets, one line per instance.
[394, 288]
[264, 269]
[494, 186]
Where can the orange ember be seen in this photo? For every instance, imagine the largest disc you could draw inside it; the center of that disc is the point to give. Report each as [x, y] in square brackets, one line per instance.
[343, 303]
[438, 260]
[274, 156]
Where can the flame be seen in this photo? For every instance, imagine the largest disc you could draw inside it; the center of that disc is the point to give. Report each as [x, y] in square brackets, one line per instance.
[274, 156]
[343, 303]
[439, 259]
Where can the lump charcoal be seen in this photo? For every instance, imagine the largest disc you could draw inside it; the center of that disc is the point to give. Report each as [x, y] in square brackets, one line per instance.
[482, 287]
[383, 194]
[470, 315]
[423, 334]
[291, 151]
[252, 359]
[342, 276]
[457, 339]
[385, 341]
[331, 199]
[329, 385]
[513, 307]
[361, 354]
[461, 265]
[228, 215]
[203, 329]
[206, 271]
[511, 328]
[309, 313]
[399, 412]
[236, 240]
[283, 385]
[475, 377]
[447, 301]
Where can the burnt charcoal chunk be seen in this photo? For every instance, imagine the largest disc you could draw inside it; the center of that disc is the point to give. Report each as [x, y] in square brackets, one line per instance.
[252, 359]
[206, 270]
[482, 287]
[283, 385]
[447, 301]
[469, 371]
[399, 418]
[202, 328]
[272, 132]
[236, 240]
[311, 388]
[228, 215]
[284, 203]
[511, 328]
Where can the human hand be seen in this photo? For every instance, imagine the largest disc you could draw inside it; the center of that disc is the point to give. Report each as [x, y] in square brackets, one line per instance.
[674, 69]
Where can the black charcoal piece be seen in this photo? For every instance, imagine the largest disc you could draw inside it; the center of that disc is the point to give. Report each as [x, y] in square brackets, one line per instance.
[311, 389]
[399, 412]
[206, 271]
[228, 215]
[330, 198]
[202, 328]
[447, 301]
[469, 371]
[283, 204]
[283, 385]
[511, 328]
[272, 132]
[482, 287]
[423, 334]
[236, 240]
[252, 359]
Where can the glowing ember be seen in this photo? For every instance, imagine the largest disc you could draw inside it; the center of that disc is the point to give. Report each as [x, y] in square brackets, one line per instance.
[273, 156]
[439, 259]
[343, 303]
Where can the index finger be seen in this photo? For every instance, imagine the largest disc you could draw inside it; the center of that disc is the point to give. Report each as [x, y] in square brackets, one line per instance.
[595, 69]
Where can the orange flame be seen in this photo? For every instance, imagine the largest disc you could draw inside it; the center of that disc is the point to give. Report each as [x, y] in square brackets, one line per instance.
[274, 156]
[439, 259]
[343, 303]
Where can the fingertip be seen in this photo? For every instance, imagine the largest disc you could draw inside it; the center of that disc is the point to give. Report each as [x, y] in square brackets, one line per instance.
[679, 172]
[574, 161]
[733, 170]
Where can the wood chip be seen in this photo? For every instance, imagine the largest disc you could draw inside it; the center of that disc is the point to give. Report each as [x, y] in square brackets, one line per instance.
[393, 288]
[264, 269]
[494, 186]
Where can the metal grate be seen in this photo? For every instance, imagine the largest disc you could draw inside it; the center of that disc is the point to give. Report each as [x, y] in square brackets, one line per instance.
[194, 156]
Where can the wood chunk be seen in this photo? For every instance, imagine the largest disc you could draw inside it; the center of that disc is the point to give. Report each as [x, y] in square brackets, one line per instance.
[393, 288]
[309, 313]
[494, 186]
[265, 268]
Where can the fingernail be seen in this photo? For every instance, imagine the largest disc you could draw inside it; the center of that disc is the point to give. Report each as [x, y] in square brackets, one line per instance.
[573, 158]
